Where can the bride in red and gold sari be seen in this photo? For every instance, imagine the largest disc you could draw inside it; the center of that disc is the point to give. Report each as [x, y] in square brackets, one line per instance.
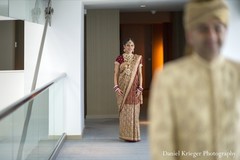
[128, 88]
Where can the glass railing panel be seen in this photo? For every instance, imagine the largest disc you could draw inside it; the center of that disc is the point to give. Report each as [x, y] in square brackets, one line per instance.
[4, 8]
[18, 118]
[6, 138]
[56, 105]
[37, 144]
[11, 131]
[29, 10]
[44, 128]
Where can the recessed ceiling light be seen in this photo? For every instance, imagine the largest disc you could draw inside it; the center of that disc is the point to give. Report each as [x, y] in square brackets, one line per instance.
[142, 5]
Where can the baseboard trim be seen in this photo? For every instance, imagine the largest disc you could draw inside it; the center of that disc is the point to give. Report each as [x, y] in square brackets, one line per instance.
[101, 116]
[74, 137]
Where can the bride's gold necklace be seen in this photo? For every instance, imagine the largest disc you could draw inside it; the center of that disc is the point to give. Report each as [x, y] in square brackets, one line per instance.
[128, 58]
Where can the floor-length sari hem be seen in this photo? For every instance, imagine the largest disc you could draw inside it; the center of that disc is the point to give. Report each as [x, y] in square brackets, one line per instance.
[130, 139]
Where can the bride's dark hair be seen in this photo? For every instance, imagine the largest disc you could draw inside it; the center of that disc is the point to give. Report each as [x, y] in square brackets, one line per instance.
[125, 41]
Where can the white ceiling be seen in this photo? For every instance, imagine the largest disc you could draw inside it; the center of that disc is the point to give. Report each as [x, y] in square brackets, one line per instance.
[130, 5]
[134, 5]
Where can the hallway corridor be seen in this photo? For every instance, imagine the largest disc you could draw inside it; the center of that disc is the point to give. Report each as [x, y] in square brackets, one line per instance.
[100, 142]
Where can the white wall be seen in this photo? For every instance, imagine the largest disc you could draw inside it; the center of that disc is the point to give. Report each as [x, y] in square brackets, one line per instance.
[63, 52]
[66, 39]
[232, 47]
[12, 87]
[3, 18]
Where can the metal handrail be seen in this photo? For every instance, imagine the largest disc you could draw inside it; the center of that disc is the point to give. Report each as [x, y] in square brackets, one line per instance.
[12, 107]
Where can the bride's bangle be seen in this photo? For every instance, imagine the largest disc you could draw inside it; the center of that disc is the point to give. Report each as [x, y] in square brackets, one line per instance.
[116, 88]
[140, 89]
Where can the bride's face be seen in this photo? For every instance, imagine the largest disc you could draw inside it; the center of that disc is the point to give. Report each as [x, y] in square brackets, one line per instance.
[129, 47]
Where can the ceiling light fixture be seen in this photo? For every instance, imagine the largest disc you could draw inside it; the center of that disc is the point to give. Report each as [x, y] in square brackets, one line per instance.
[142, 5]
[153, 11]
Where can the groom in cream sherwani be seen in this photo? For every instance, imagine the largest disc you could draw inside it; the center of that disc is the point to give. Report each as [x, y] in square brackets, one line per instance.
[194, 101]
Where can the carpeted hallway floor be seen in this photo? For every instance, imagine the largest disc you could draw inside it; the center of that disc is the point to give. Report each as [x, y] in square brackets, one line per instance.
[100, 142]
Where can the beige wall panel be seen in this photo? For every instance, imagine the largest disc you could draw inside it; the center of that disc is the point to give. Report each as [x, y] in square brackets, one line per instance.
[102, 27]
[7, 49]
